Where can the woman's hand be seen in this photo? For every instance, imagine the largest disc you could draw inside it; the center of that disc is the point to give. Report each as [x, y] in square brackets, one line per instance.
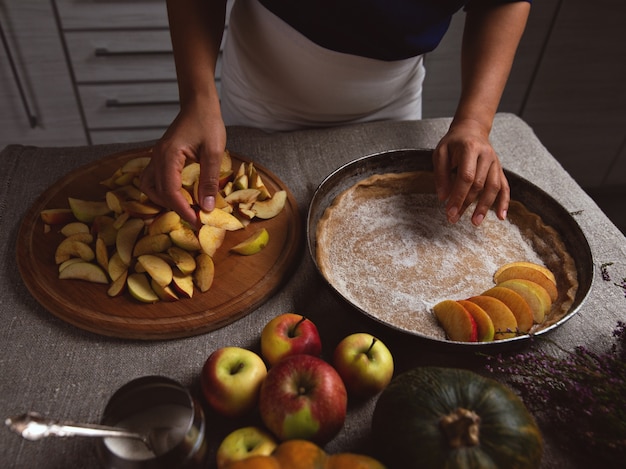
[467, 170]
[196, 134]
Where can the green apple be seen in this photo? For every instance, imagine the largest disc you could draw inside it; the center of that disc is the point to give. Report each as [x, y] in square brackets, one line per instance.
[243, 443]
[303, 397]
[364, 363]
[230, 380]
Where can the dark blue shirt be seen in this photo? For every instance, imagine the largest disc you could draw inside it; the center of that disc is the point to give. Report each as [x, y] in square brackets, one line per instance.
[379, 29]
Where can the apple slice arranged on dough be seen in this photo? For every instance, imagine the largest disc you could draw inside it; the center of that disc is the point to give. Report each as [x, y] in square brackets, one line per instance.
[528, 271]
[458, 323]
[484, 325]
[504, 322]
[517, 305]
[535, 295]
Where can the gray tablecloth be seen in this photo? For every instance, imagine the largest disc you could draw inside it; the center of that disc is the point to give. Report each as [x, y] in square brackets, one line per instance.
[58, 370]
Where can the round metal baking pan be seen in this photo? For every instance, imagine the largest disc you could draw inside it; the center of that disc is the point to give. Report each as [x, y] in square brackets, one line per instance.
[534, 198]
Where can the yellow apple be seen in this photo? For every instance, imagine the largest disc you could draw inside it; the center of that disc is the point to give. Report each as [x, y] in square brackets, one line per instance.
[253, 244]
[528, 272]
[151, 244]
[211, 238]
[165, 293]
[116, 266]
[182, 259]
[87, 210]
[140, 289]
[182, 283]
[127, 236]
[220, 219]
[535, 295]
[118, 286]
[87, 271]
[159, 270]
[185, 238]
[190, 174]
[204, 273]
[269, 208]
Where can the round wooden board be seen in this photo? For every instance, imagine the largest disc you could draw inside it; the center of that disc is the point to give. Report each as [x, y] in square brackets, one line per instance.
[241, 283]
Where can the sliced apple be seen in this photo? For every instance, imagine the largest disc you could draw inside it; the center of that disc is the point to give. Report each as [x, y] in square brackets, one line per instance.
[135, 165]
[151, 244]
[114, 201]
[73, 247]
[116, 266]
[140, 289]
[226, 164]
[240, 182]
[242, 196]
[185, 238]
[220, 219]
[532, 265]
[141, 209]
[104, 227]
[211, 238]
[504, 322]
[164, 223]
[159, 270]
[516, 303]
[102, 254]
[253, 244]
[456, 321]
[71, 260]
[118, 286]
[74, 227]
[87, 271]
[165, 293]
[182, 259]
[56, 216]
[528, 272]
[186, 195]
[269, 208]
[484, 325]
[190, 174]
[535, 295]
[127, 236]
[87, 210]
[182, 283]
[204, 273]
[120, 220]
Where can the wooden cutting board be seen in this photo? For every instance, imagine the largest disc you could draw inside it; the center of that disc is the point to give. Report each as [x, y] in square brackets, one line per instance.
[241, 283]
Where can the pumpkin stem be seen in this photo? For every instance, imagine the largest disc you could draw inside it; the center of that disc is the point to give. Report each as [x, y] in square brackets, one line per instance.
[461, 428]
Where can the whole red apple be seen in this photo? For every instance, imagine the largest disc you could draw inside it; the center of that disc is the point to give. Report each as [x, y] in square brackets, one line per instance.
[303, 397]
[231, 379]
[289, 334]
[364, 363]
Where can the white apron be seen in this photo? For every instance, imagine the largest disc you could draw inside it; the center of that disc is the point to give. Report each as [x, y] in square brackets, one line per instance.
[274, 78]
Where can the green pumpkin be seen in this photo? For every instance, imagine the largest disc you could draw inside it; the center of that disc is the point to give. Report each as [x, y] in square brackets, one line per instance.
[432, 417]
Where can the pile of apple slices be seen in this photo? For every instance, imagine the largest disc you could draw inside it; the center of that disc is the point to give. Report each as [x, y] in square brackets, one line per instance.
[523, 296]
[130, 243]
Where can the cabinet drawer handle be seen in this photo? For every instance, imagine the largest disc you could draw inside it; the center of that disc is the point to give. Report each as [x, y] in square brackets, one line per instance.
[104, 52]
[115, 103]
[32, 118]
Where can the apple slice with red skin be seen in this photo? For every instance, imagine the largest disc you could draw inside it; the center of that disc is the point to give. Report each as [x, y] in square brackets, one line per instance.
[458, 323]
[517, 305]
[504, 322]
[484, 325]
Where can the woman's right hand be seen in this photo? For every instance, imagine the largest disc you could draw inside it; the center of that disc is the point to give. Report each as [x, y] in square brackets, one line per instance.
[197, 134]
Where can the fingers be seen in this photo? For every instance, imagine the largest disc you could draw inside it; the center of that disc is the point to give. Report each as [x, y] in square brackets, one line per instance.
[161, 182]
[208, 183]
[466, 174]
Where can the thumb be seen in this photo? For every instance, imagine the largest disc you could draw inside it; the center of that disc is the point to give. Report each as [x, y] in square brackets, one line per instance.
[208, 183]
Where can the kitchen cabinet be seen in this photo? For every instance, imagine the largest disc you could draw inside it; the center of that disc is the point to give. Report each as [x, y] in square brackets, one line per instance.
[38, 105]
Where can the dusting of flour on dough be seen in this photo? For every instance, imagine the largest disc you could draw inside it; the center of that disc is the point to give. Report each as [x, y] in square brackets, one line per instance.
[395, 255]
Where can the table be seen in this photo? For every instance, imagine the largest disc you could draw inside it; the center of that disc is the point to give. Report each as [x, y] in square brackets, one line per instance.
[61, 371]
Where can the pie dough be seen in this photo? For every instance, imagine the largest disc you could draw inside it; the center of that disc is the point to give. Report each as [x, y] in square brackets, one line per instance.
[386, 246]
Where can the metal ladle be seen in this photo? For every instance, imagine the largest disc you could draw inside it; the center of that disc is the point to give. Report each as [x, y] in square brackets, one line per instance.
[34, 426]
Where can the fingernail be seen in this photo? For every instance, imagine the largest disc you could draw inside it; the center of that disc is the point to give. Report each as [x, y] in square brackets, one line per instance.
[208, 203]
[453, 214]
[504, 214]
[478, 219]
